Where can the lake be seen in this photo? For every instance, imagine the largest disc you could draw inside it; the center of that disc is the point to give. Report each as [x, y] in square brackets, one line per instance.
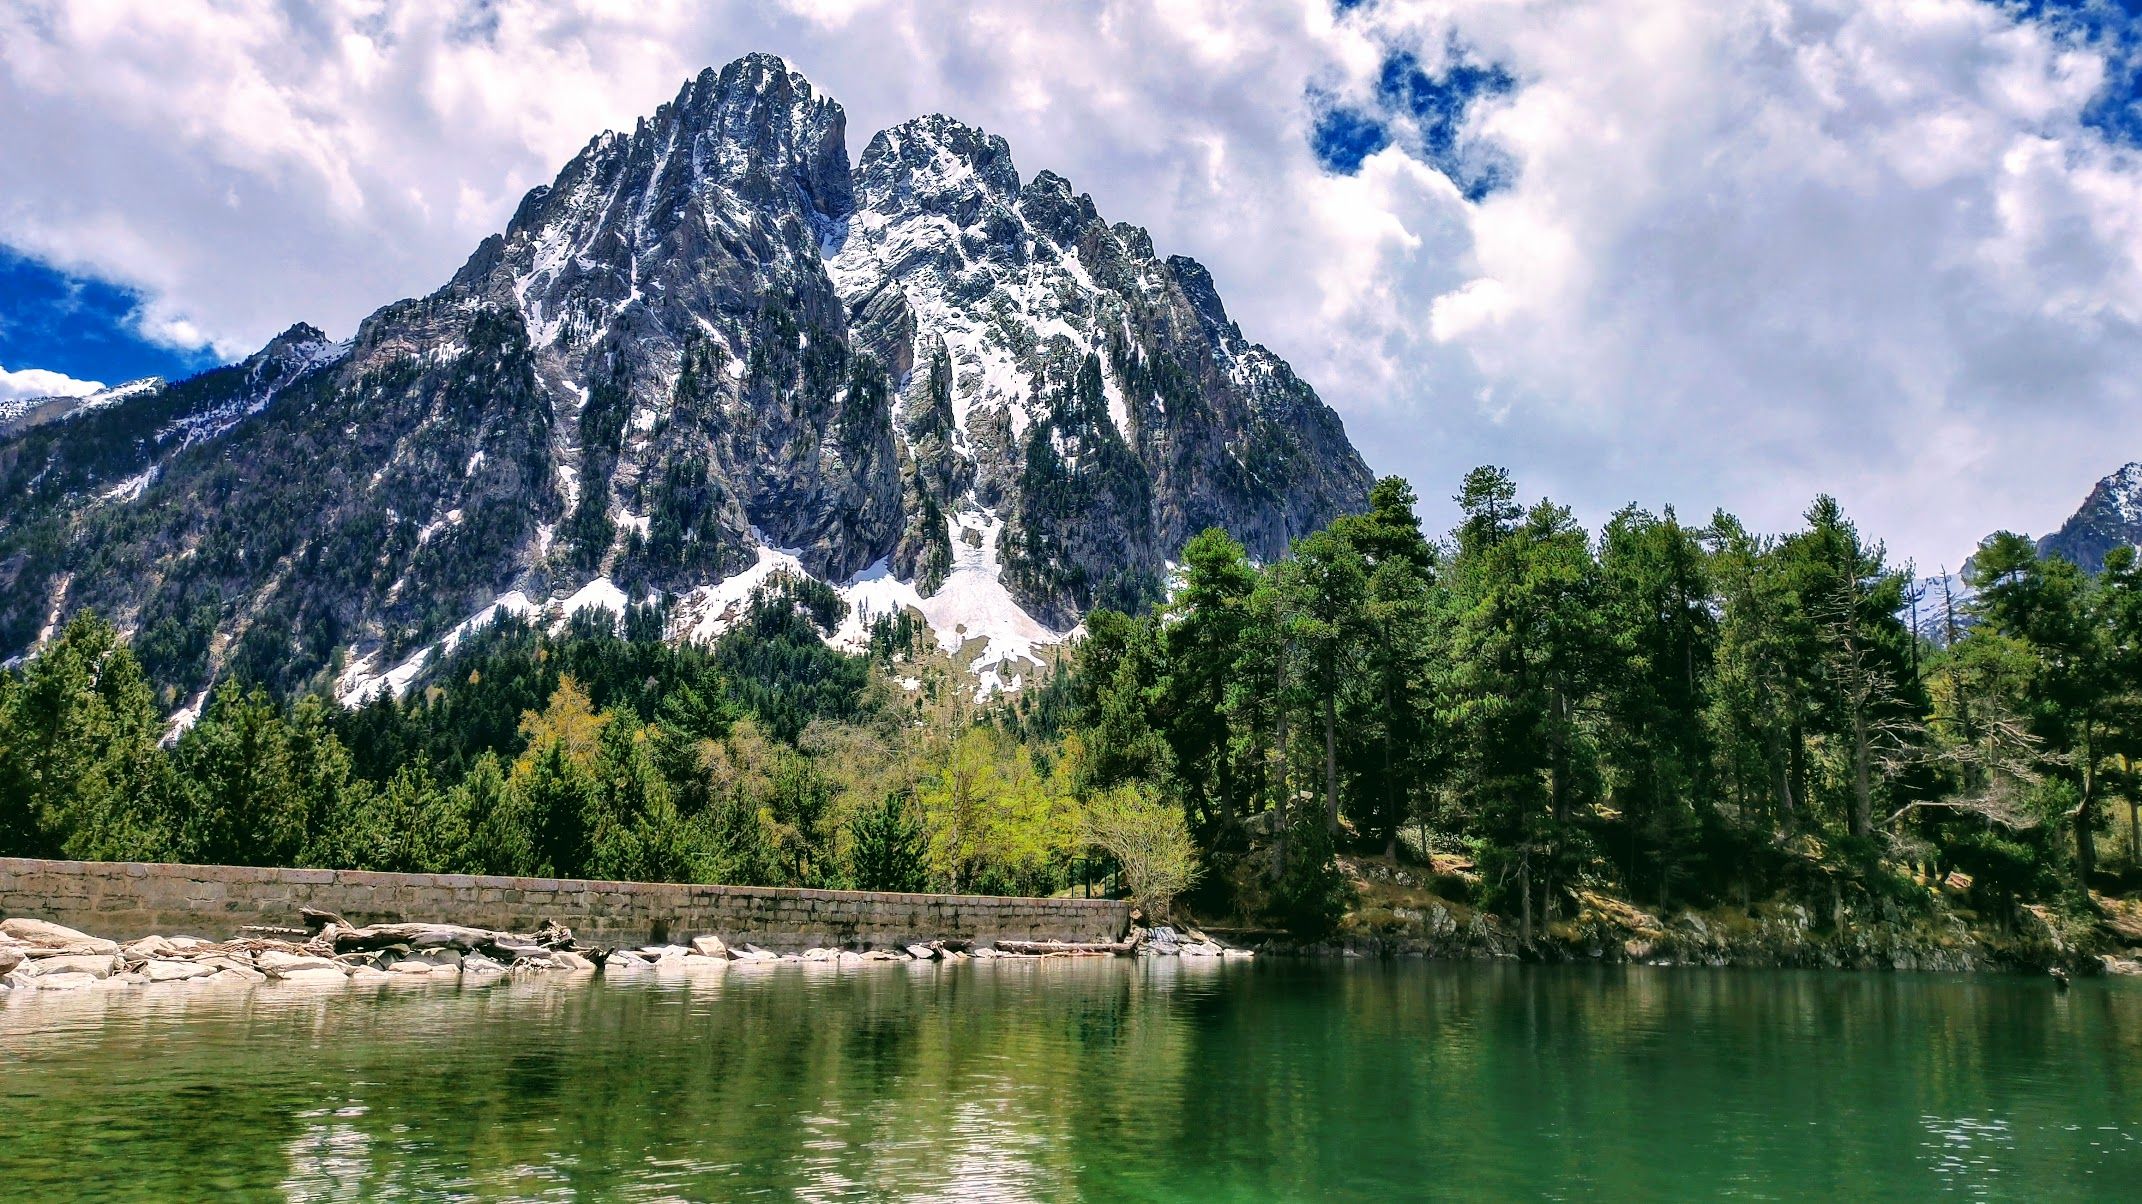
[1097, 1079]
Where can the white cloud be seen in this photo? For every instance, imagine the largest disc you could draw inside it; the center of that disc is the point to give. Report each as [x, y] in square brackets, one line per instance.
[1751, 251]
[37, 382]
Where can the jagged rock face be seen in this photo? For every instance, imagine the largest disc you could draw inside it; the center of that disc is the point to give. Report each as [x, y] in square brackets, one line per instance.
[708, 346]
[1056, 372]
[671, 283]
[2110, 517]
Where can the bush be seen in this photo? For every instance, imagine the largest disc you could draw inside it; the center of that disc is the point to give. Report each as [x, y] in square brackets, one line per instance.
[1149, 840]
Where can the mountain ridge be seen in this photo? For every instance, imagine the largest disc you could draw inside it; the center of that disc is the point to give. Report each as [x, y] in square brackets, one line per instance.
[710, 350]
[2110, 517]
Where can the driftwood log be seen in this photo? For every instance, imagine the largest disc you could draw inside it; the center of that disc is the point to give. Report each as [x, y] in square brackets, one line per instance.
[1088, 948]
[508, 945]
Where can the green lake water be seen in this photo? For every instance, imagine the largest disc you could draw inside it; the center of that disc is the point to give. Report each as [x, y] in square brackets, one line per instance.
[1084, 1079]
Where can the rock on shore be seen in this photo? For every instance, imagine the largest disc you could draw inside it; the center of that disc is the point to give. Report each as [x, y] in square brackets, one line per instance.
[37, 955]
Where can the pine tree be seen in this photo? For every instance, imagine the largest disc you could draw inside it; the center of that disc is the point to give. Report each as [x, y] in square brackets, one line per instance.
[886, 850]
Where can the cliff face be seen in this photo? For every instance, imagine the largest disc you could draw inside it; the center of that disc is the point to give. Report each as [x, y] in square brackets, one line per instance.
[709, 349]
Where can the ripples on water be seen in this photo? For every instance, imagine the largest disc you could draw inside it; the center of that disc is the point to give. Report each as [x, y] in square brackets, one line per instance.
[1096, 1079]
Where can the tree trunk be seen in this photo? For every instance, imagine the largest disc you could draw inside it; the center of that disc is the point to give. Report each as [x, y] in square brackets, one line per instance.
[1279, 710]
[2134, 821]
[1862, 783]
[1558, 795]
[2086, 812]
[1524, 889]
[1331, 755]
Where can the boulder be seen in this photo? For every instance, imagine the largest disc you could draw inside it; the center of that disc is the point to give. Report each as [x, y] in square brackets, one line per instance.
[849, 957]
[10, 957]
[326, 972]
[411, 965]
[566, 959]
[43, 934]
[51, 982]
[921, 953]
[710, 946]
[173, 970]
[146, 948]
[279, 964]
[96, 965]
[477, 963]
[232, 972]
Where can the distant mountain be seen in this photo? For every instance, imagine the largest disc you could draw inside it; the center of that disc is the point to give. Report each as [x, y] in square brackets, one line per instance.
[2110, 517]
[19, 414]
[709, 351]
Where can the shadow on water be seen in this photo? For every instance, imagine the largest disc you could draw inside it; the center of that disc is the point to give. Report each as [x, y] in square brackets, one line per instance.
[1094, 1079]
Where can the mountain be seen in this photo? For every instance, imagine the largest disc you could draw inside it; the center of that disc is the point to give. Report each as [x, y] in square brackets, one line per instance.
[18, 414]
[711, 350]
[2110, 517]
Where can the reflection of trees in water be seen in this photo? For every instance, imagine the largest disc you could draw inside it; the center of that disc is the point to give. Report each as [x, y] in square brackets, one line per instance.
[1100, 1078]
[883, 1079]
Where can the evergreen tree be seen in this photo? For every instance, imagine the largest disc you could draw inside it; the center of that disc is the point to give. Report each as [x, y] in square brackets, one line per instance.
[497, 822]
[1662, 637]
[244, 798]
[555, 793]
[2046, 605]
[886, 848]
[1200, 641]
[1394, 750]
[80, 772]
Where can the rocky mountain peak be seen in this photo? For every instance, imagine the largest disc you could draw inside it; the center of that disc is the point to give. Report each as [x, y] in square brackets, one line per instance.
[708, 352]
[2110, 517]
[938, 161]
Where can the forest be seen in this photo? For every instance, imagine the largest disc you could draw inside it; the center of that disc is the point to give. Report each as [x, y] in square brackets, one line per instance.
[1673, 714]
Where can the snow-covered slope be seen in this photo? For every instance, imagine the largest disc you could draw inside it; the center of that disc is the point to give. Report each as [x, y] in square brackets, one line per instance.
[18, 414]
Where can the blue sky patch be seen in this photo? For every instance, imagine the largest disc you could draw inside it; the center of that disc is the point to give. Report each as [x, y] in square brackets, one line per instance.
[1343, 137]
[79, 326]
[1424, 113]
[2112, 28]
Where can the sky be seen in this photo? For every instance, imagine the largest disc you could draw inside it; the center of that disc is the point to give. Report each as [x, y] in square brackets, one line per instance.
[1701, 255]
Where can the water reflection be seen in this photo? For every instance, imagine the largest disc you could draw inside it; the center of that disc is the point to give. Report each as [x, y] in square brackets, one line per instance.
[1171, 1079]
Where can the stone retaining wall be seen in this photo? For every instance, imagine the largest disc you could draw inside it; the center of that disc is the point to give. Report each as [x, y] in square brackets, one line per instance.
[128, 900]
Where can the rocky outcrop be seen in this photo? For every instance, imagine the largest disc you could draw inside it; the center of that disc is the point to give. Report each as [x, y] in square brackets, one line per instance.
[1401, 916]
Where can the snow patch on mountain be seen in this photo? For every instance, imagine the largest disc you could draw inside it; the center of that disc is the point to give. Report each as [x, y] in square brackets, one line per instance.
[359, 683]
[705, 612]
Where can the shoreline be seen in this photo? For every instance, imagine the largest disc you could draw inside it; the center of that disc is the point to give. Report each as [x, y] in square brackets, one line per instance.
[39, 956]
[1400, 914]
